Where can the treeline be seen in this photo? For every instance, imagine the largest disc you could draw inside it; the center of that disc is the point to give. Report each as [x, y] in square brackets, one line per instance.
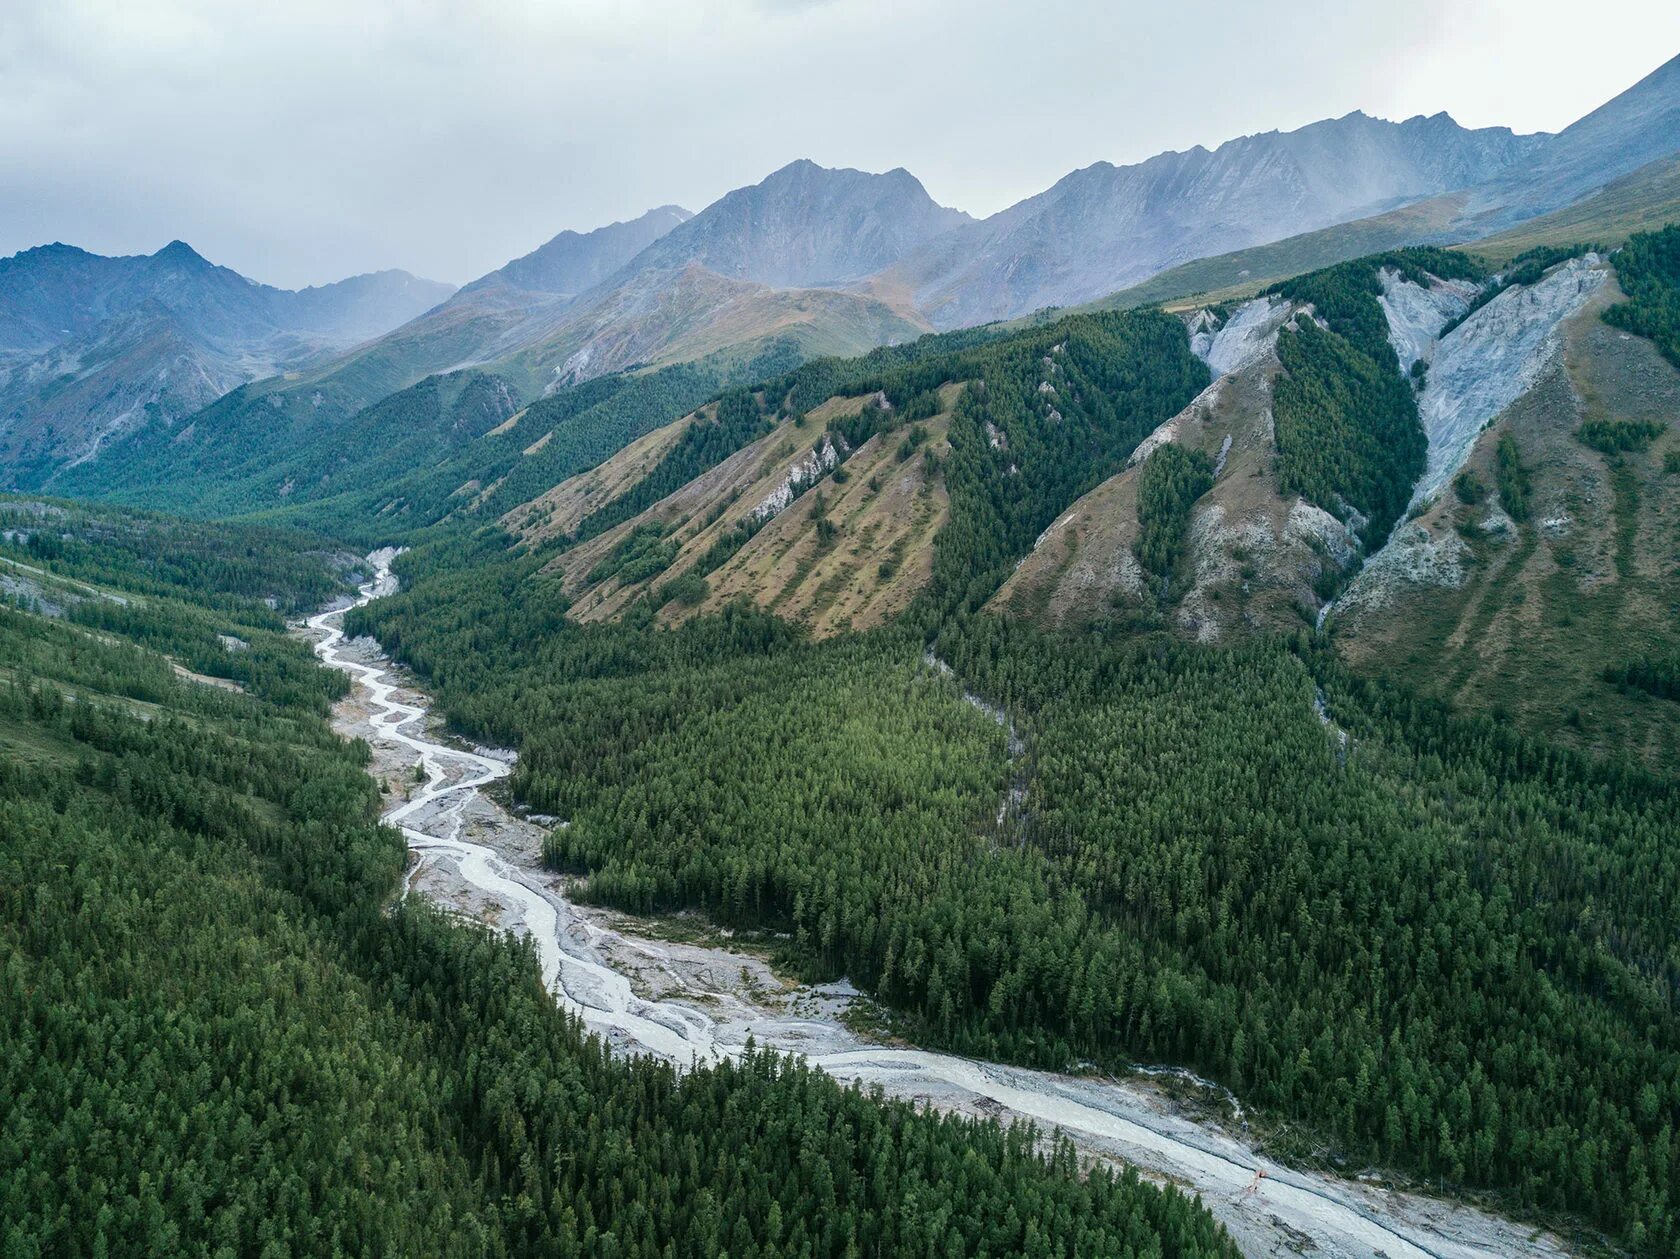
[1648, 267]
[219, 1036]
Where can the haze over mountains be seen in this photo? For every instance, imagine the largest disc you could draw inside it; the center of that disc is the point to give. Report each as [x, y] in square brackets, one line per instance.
[810, 261]
[1104, 227]
[91, 346]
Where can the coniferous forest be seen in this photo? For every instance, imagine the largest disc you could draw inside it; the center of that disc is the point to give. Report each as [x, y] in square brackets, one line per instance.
[1408, 936]
[222, 1036]
[1412, 933]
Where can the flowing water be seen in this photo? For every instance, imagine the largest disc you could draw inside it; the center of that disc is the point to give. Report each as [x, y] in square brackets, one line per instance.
[693, 1005]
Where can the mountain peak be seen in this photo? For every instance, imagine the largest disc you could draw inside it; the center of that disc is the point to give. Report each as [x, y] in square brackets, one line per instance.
[182, 254]
[572, 262]
[807, 225]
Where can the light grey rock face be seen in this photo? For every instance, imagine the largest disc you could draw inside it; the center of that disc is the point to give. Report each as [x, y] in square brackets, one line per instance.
[1411, 557]
[1476, 371]
[1492, 359]
[575, 261]
[1416, 314]
[1104, 227]
[1249, 332]
[807, 226]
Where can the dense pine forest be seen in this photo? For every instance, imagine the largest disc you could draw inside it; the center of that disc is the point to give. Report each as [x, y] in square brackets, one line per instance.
[1408, 936]
[220, 1035]
[1416, 936]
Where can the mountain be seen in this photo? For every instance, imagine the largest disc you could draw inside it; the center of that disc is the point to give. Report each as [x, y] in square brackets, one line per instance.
[805, 225]
[1104, 227]
[575, 261]
[813, 261]
[1522, 559]
[1614, 172]
[707, 288]
[669, 285]
[1629, 131]
[65, 404]
[93, 348]
[55, 292]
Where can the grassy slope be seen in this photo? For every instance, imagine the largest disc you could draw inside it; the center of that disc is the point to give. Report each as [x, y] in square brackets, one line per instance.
[880, 555]
[1590, 575]
[1638, 202]
[1245, 569]
[884, 512]
[559, 511]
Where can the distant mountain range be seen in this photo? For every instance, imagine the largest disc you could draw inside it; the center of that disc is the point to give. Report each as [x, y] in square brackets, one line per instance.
[92, 346]
[810, 261]
[1104, 227]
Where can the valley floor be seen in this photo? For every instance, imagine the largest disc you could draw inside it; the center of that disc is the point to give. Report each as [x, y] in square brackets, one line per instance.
[696, 1004]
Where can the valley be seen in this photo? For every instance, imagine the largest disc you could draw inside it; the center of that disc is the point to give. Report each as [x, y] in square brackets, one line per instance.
[696, 1004]
[1143, 722]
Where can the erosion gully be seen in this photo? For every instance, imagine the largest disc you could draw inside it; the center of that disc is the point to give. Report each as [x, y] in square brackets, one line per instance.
[693, 1005]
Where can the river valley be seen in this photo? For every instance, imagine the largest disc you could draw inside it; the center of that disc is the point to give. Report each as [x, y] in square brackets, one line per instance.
[695, 1004]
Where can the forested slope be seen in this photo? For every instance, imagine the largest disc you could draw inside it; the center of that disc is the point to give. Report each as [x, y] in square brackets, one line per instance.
[1409, 935]
[219, 1034]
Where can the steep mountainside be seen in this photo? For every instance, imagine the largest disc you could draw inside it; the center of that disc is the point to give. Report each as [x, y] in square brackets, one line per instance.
[137, 368]
[1627, 132]
[1544, 562]
[526, 325]
[849, 554]
[837, 495]
[806, 225]
[1104, 227]
[1537, 551]
[575, 261]
[1288, 513]
[1615, 172]
[94, 348]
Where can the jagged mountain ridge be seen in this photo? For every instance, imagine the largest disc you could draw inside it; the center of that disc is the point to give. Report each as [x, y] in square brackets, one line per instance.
[52, 293]
[574, 262]
[703, 283]
[717, 282]
[1104, 227]
[807, 226]
[1627, 132]
[1613, 172]
[94, 347]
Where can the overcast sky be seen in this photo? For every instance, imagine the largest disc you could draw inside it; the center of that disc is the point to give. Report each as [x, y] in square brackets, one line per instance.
[304, 140]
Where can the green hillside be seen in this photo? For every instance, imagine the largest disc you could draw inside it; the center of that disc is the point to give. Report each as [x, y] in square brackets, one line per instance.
[220, 1036]
[1408, 935]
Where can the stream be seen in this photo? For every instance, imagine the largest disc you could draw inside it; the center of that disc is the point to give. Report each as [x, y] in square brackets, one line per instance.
[695, 1004]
